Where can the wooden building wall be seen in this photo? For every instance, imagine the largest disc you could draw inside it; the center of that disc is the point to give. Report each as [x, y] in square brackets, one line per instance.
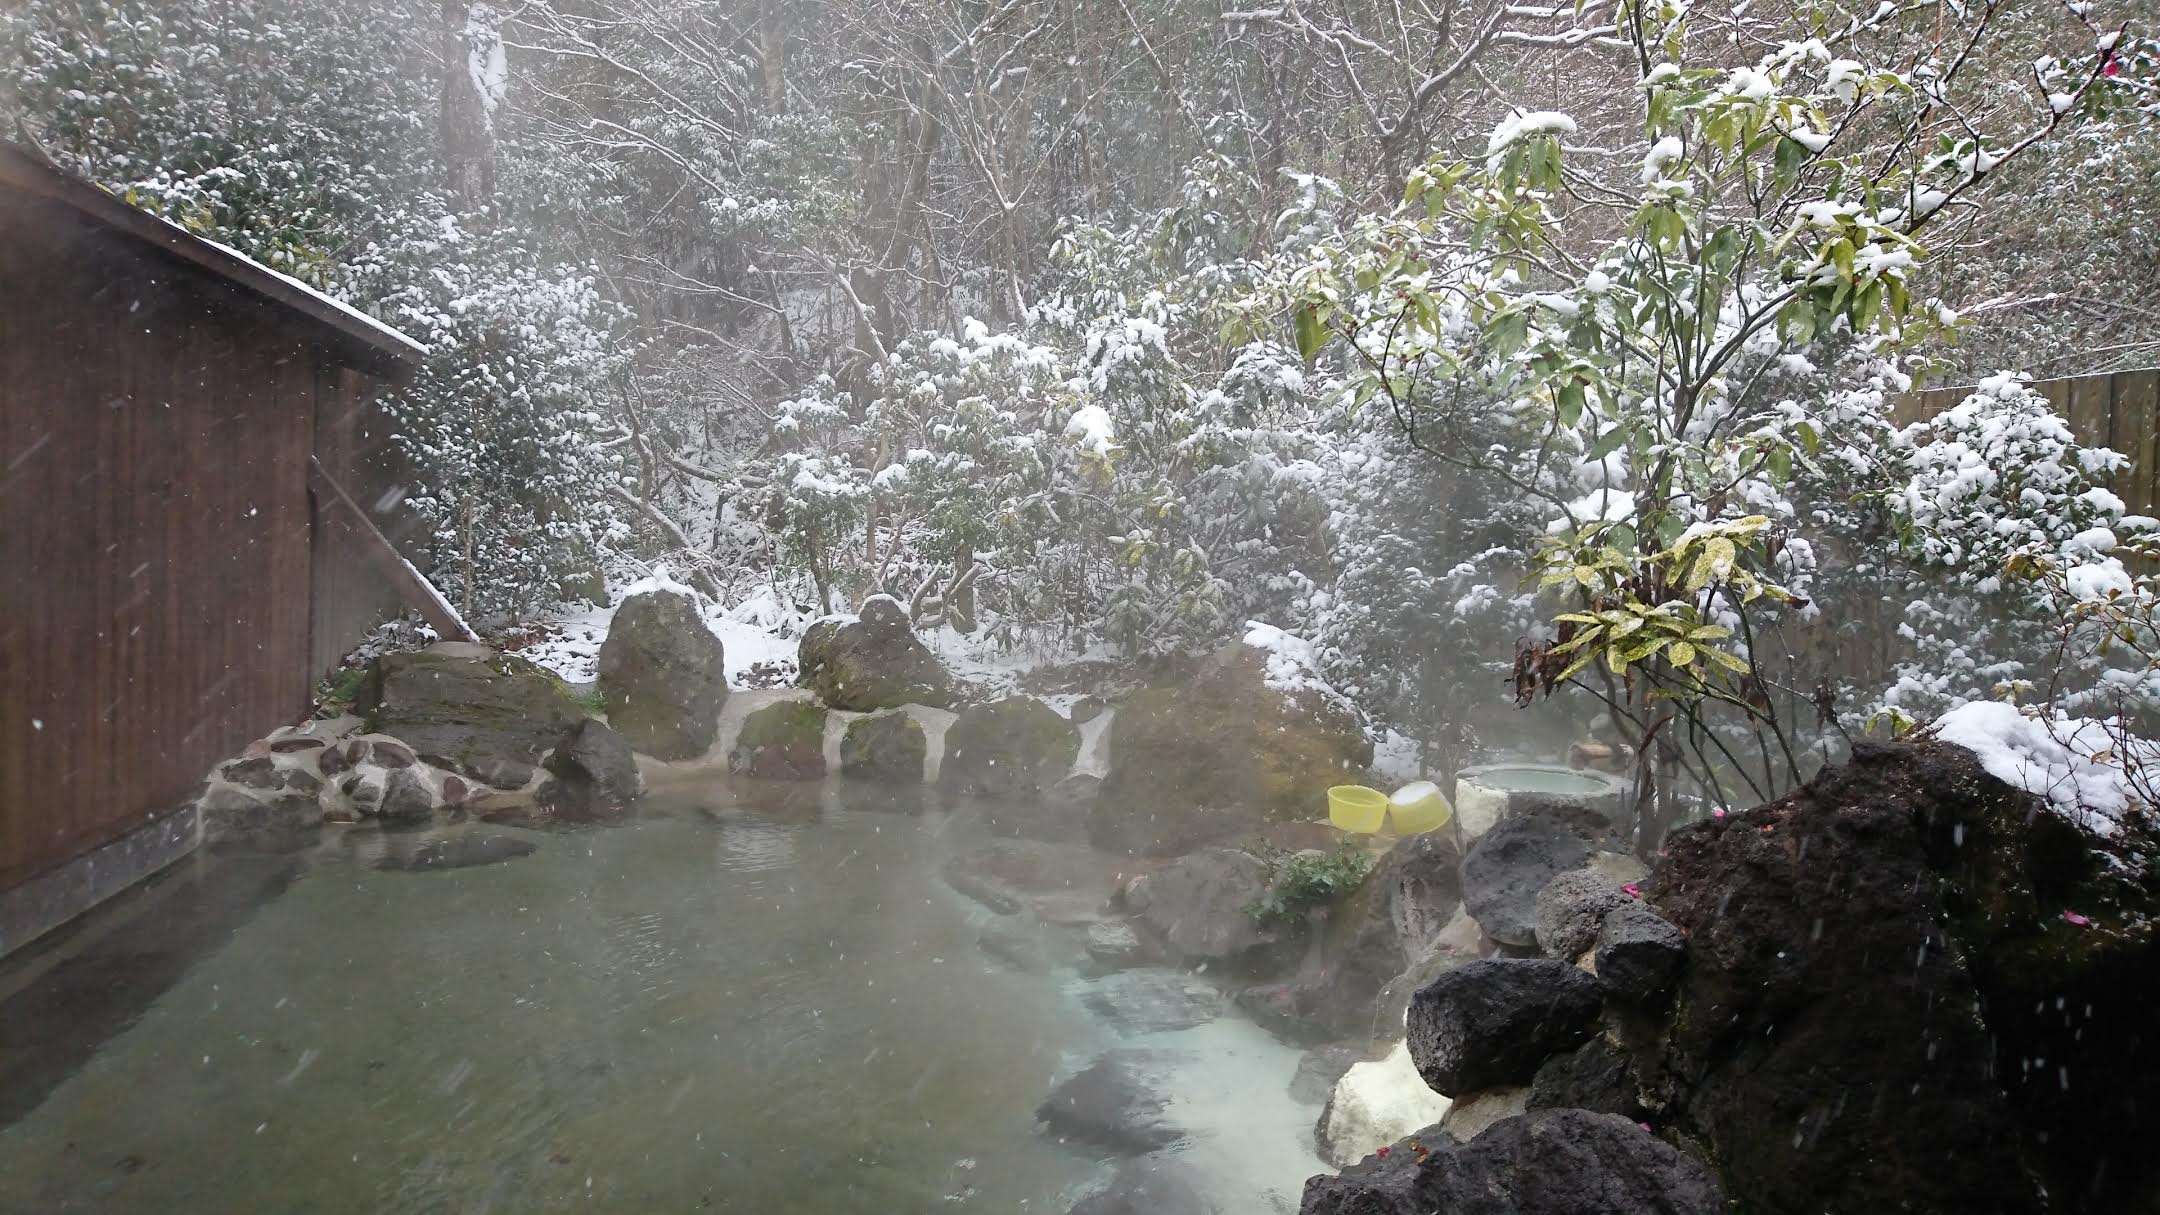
[155, 567]
[353, 439]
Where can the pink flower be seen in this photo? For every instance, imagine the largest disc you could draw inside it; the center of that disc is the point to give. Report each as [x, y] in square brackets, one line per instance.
[1717, 814]
[1382, 1153]
[1631, 890]
[2077, 919]
[1643, 1125]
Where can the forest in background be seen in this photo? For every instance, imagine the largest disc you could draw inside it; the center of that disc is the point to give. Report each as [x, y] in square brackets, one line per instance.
[1110, 326]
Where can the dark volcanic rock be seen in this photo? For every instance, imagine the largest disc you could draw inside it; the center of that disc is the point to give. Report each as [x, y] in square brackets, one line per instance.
[875, 662]
[1149, 1186]
[663, 676]
[1877, 967]
[1550, 1162]
[1492, 1023]
[1111, 1104]
[1638, 953]
[1593, 1077]
[1571, 909]
[456, 852]
[884, 747]
[1015, 747]
[1534, 842]
[406, 796]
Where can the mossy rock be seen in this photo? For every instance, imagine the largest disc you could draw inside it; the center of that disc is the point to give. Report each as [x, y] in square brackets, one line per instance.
[1221, 754]
[784, 741]
[467, 708]
[872, 663]
[663, 676]
[1015, 747]
[885, 747]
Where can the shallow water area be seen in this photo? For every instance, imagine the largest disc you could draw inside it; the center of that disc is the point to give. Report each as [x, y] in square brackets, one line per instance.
[747, 1000]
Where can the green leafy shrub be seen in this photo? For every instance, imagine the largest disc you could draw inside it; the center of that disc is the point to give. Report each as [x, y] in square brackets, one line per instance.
[1300, 881]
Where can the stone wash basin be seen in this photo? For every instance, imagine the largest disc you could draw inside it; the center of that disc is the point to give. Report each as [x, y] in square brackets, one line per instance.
[1482, 792]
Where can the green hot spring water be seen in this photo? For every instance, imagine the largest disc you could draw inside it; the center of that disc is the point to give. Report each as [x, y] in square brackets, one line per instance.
[753, 1010]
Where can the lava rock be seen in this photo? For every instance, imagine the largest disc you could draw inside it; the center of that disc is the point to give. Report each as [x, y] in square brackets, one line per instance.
[1114, 943]
[1492, 1023]
[1536, 841]
[1593, 1076]
[1571, 909]
[1638, 953]
[884, 747]
[663, 676]
[1110, 1104]
[1548, 1162]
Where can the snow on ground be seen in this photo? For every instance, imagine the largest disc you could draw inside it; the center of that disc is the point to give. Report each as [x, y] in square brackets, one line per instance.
[2071, 761]
[759, 636]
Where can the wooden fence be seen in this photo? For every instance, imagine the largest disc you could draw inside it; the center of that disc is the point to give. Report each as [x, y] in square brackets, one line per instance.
[2120, 411]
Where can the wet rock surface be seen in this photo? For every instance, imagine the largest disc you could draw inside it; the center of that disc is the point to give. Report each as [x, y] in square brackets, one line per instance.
[1154, 1000]
[1549, 1162]
[782, 741]
[1536, 841]
[884, 747]
[663, 676]
[1112, 1104]
[592, 775]
[1196, 909]
[1492, 1023]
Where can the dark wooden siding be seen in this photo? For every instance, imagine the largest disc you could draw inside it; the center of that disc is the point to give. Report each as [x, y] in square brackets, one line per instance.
[155, 425]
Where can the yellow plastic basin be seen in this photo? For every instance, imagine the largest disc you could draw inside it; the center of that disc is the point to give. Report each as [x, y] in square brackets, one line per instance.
[1356, 808]
[1419, 807]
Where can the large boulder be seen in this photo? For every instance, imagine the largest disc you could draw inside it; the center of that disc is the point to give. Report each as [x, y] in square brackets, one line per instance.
[1217, 756]
[887, 747]
[466, 708]
[1638, 953]
[663, 676]
[1593, 1076]
[1112, 1104]
[1911, 987]
[1548, 1162]
[1492, 1023]
[1197, 909]
[1015, 747]
[1571, 909]
[873, 662]
[1536, 841]
[783, 741]
[592, 776]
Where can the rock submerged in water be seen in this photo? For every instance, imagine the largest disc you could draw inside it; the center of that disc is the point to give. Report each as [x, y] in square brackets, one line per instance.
[1148, 1186]
[1491, 1023]
[871, 663]
[1015, 747]
[592, 776]
[1111, 1104]
[456, 852]
[1547, 1162]
[663, 676]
